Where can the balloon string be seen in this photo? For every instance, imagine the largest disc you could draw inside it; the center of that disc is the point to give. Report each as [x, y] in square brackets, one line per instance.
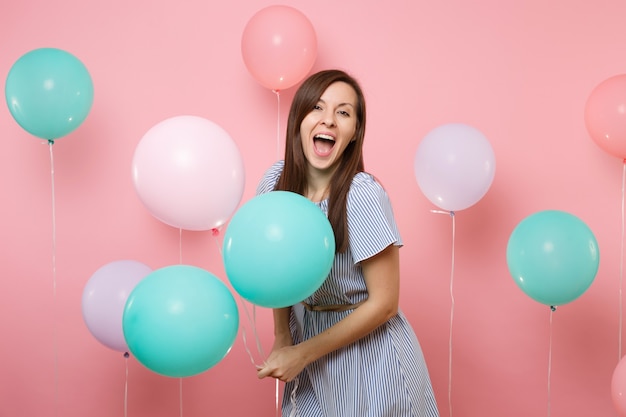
[54, 282]
[552, 310]
[451, 317]
[126, 385]
[292, 397]
[180, 394]
[251, 320]
[180, 261]
[451, 213]
[277, 92]
[277, 394]
[621, 269]
[180, 246]
[254, 331]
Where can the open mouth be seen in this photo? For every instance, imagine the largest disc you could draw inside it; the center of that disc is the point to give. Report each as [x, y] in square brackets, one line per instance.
[323, 144]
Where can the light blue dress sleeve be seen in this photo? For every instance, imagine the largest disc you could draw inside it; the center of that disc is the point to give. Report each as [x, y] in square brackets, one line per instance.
[371, 223]
[270, 178]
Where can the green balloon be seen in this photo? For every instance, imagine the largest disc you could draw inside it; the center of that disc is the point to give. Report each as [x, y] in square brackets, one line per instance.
[180, 321]
[279, 248]
[553, 257]
[49, 92]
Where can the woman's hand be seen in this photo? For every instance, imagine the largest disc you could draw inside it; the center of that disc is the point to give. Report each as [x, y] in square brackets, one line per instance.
[284, 363]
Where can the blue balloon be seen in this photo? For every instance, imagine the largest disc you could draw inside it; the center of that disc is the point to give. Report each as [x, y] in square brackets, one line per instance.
[180, 321]
[278, 249]
[49, 92]
[553, 257]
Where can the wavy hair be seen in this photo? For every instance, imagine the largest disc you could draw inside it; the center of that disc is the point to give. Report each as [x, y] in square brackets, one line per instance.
[293, 178]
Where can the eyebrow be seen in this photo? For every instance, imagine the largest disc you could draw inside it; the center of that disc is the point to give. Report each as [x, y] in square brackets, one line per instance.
[340, 104]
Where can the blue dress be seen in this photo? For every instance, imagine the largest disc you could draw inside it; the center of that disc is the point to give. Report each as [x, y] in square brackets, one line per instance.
[380, 375]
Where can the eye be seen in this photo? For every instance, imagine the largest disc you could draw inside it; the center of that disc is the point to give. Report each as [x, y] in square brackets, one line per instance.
[317, 107]
[344, 113]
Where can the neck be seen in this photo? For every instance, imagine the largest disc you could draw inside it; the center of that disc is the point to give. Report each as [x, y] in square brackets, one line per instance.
[318, 183]
[316, 196]
[317, 188]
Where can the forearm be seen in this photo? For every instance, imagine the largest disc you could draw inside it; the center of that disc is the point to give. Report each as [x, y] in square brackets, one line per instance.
[362, 321]
[282, 334]
[381, 274]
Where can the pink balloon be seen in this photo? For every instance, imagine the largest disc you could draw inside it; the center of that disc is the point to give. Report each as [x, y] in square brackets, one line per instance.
[605, 115]
[618, 388]
[104, 299]
[454, 166]
[279, 47]
[188, 173]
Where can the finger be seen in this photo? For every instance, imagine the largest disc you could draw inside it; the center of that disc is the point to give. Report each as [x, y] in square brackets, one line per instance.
[262, 373]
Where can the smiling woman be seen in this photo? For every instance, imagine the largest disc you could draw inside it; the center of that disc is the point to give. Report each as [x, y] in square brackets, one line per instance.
[328, 129]
[354, 316]
[518, 71]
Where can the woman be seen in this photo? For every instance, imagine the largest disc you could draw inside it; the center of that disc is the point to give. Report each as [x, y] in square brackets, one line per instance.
[347, 350]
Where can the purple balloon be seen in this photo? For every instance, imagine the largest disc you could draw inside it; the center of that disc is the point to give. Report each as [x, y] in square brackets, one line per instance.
[104, 299]
[454, 166]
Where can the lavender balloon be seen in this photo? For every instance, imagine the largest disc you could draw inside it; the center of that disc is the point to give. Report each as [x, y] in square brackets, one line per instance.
[454, 166]
[104, 299]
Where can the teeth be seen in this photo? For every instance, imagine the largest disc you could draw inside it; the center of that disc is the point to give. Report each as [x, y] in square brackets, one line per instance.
[325, 137]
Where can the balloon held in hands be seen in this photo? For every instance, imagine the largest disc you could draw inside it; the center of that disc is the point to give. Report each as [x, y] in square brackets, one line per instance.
[278, 249]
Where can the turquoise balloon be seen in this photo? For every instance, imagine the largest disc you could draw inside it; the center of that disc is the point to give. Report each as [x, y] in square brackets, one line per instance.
[278, 249]
[180, 321]
[49, 92]
[553, 257]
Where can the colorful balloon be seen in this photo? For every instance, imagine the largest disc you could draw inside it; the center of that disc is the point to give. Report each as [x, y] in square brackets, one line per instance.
[278, 249]
[618, 388]
[605, 115]
[104, 298]
[279, 47]
[180, 321]
[454, 166]
[188, 172]
[553, 257]
[49, 92]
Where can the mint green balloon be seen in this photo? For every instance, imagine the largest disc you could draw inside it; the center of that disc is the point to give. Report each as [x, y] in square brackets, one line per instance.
[553, 257]
[180, 321]
[49, 92]
[278, 249]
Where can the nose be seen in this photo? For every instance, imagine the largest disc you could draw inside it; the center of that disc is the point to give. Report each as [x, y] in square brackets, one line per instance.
[328, 118]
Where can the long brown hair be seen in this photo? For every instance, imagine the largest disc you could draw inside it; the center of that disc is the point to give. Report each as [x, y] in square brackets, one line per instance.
[293, 177]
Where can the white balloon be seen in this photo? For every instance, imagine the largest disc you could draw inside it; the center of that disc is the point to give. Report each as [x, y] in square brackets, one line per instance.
[454, 166]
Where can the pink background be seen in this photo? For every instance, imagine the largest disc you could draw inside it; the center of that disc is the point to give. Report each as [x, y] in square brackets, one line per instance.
[519, 71]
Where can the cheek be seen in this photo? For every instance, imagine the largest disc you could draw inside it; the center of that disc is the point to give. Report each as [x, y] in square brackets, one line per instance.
[353, 131]
[305, 127]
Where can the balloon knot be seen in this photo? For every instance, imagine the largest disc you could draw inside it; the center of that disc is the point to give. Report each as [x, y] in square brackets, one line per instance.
[553, 308]
[215, 231]
[451, 213]
[277, 92]
[126, 355]
[50, 141]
